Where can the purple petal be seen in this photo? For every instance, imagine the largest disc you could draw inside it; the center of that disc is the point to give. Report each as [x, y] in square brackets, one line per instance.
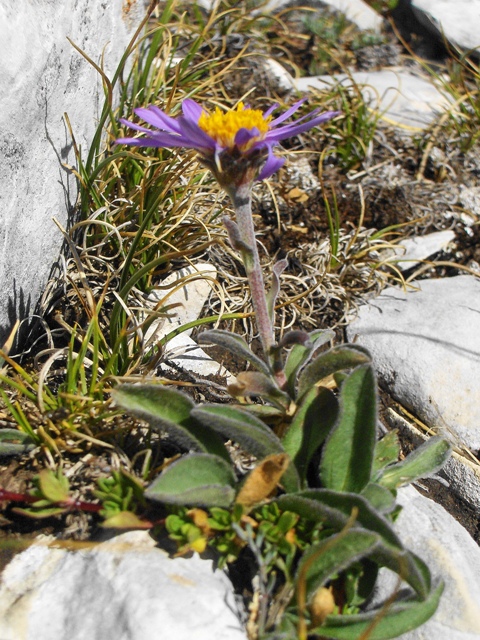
[294, 129]
[132, 142]
[132, 125]
[287, 113]
[270, 110]
[272, 164]
[159, 139]
[196, 136]
[307, 116]
[141, 142]
[191, 109]
[244, 135]
[158, 118]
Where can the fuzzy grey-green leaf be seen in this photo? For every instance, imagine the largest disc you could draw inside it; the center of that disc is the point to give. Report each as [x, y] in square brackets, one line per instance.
[159, 404]
[398, 619]
[198, 479]
[235, 344]
[427, 459]
[379, 497]
[299, 355]
[169, 410]
[387, 451]
[348, 453]
[248, 431]
[334, 554]
[310, 425]
[328, 363]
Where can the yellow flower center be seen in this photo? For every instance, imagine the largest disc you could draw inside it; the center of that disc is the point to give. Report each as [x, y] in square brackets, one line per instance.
[223, 127]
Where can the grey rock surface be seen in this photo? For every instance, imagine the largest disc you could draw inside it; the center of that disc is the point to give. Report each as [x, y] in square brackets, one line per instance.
[455, 20]
[469, 198]
[401, 98]
[425, 345]
[411, 251]
[461, 472]
[42, 77]
[186, 291]
[124, 589]
[451, 555]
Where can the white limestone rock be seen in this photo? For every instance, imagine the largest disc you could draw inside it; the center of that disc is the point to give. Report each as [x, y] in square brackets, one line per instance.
[183, 352]
[461, 471]
[455, 20]
[123, 589]
[425, 345]
[412, 251]
[401, 98]
[451, 555]
[280, 79]
[469, 198]
[187, 290]
[42, 77]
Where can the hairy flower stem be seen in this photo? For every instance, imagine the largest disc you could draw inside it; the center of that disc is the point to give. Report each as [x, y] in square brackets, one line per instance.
[241, 196]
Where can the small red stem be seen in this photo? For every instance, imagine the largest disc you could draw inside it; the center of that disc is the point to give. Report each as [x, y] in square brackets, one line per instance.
[70, 503]
[82, 506]
[16, 497]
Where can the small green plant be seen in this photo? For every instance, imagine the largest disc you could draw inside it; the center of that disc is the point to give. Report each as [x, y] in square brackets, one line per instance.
[319, 445]
[328, 30]
[352, 134]
[121, 495]
[49, 497]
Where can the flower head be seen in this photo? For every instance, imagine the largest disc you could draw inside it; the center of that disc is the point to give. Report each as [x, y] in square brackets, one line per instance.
[237, 145]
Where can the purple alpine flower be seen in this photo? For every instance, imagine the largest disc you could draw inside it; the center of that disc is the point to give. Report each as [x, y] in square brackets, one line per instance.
[236, 145]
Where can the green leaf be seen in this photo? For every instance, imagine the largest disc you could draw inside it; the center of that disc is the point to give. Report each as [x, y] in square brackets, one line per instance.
[427, 459]
[163, 405]
[241, 426]
[299, 354]
[334, 554]
[236, 345]
[334, 509]
[198, 479]
[379, 497]
[348, 453]
[14, 442]
[387, 451]
[256, 383]
[125, 520]
[250, 433]
[169, 410]
[264, 411]
[328, 363]
[40, 514]
[54, 487]
[311, 424]
[380, 624]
